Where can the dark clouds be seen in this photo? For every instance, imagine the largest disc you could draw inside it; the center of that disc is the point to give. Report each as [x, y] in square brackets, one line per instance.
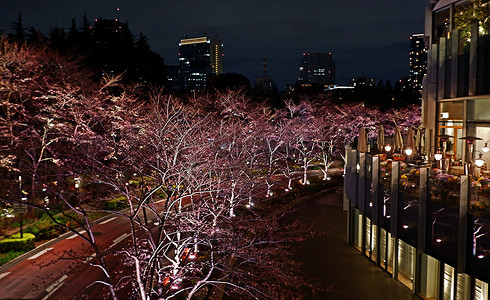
[366, 37]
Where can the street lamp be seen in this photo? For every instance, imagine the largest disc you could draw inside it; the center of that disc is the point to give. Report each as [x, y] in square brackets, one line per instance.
[388, 148]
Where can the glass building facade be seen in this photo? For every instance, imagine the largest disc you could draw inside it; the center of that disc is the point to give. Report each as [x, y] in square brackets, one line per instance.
[316, 68]
[428, 224]
[426, 229]
[199, 58]
[456, 96]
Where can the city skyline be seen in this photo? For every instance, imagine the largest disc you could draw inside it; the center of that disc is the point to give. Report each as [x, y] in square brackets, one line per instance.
[366, 39]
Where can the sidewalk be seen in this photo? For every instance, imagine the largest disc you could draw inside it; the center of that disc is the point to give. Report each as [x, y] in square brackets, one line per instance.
[341, 268]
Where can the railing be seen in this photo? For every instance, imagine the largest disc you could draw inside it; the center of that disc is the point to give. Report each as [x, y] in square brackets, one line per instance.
[443, 215]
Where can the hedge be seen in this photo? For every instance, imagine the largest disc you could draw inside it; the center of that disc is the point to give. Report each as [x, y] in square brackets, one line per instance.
[14, 242]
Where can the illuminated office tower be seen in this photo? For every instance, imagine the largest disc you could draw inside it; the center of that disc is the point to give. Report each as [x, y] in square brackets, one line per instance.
[418, 63]
[198, 58]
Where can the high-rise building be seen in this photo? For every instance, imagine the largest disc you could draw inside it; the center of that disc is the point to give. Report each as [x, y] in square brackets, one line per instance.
[418, 63]
[316, 68]
[113, 45]
[198, 58]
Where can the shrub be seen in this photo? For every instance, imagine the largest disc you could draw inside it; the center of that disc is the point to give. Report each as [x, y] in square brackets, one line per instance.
[111, 204]
[116, 203]
[16, 243]
[45, 228]
[8, 256]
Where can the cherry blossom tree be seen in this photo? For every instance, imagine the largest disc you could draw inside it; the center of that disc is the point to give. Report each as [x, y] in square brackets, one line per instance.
[187, 171]
[301, 125]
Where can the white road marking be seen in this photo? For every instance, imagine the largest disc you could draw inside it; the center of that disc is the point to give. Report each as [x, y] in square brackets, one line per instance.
[40, 253]
[75, 235]
[56, 285]
[4, 274]
[119, 239]
[89, 258]
[107, 221]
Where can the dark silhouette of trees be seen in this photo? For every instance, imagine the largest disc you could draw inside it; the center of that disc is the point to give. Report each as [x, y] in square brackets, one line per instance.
[18, 29]
[35, 37]
[107, 47]
[228, 81]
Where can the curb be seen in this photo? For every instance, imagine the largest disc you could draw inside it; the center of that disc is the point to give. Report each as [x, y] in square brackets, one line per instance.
[43, 246]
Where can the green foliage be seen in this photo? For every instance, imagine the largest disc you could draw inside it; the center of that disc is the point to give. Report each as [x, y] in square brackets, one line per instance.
[16, 243]
[465, 15]
[116, 203]
[45, 228]
[160, 193]
[8, 256]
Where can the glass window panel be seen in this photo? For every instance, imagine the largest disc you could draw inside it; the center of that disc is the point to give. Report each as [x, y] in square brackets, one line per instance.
[463, 284]
[406, 263]
[374, 243]
[450, 111]
[368, 237]
[481, 290]
[448, 282]
[391, 241]
[382, 248]
[479, 110]
[483, 132]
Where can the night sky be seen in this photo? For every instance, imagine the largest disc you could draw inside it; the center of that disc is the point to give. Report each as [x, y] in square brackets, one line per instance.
[367, 37]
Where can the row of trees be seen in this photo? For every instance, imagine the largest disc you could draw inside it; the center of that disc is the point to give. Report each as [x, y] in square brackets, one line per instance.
[107, 46]
[79, 144]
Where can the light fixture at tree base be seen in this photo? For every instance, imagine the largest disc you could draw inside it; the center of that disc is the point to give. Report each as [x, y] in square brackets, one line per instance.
[388, 148]
[408, 151]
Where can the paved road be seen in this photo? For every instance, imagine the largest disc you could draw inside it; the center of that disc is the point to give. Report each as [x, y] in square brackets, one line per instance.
[49, 271]
[44, 273]
[339, 267]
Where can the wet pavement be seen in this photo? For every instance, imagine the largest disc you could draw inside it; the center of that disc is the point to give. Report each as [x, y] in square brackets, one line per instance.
[341, 269]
